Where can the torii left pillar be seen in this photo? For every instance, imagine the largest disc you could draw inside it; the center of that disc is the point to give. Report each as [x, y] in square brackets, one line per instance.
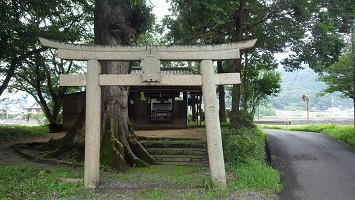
[92, 125]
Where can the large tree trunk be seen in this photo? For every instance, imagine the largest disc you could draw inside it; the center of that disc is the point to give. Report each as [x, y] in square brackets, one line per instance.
[235, 99]
[113, 28]
[119, 146]
[221, 96]
[245, 85]
[239, 27]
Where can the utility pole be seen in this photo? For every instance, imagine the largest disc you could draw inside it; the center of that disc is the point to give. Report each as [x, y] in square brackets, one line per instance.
[353, 62]
[306, 101]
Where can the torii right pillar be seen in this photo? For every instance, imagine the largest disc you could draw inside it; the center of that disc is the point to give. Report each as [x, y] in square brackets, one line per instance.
[213, 128]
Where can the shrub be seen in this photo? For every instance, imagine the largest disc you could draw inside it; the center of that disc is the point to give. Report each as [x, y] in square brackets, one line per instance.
[242, 144]
[244, 152]
[245, 119]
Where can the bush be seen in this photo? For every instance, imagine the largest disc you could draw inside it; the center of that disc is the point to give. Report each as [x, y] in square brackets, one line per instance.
[243, 143]
[244, 152]
[245, 119]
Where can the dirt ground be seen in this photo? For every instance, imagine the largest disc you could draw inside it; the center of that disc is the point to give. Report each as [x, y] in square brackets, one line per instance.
[179, 133]
[43, 138]
[9, 157]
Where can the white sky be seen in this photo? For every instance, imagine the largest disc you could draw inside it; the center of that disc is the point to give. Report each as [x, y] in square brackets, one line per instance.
[160, 8]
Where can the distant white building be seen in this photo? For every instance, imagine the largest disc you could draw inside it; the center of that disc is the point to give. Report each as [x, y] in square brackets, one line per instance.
[333, 110]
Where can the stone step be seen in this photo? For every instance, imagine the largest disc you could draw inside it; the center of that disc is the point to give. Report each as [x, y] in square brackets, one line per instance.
[177, 151]
[173, 143]
[165, 138]
[202, 164]
[181, 158]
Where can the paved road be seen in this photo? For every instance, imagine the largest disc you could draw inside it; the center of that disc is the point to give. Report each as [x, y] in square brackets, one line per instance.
[312, 166]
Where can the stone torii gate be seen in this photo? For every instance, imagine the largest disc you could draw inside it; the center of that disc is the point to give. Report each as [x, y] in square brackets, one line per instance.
[150, 57]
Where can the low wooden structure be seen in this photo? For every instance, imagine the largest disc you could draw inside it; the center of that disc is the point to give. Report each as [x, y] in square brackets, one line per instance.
[149, 107]
[152, 107]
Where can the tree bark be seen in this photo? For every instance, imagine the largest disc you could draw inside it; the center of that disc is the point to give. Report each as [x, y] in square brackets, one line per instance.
[239, 27]
[112, 28]
[221, 96]
[245, 85]
[119, 146]
[235, 98]
[353, 61]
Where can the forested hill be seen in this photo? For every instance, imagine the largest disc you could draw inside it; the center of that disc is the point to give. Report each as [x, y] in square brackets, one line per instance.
[295, 84]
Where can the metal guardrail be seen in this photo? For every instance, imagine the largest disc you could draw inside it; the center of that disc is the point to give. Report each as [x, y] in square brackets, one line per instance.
[284, 122]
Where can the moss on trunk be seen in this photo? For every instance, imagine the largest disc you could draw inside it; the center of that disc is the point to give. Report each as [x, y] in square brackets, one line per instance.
[112, 151]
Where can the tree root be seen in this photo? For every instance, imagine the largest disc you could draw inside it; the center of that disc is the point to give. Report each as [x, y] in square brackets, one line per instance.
[141, 152]
[74, 139]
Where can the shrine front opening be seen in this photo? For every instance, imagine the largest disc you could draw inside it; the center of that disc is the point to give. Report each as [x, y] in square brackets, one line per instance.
[150, 57]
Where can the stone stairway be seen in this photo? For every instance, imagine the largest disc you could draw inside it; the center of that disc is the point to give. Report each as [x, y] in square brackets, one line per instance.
[178, 151]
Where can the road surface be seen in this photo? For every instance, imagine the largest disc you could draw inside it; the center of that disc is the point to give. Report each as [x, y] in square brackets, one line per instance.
[312, 165]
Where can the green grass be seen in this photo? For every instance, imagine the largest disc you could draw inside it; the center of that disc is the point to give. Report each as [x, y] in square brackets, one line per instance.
[26, 182]
[255, 175]
[163, 182]
[10, 133]
[342, 133]
[283, 127]
[164, 174]
[170, 182]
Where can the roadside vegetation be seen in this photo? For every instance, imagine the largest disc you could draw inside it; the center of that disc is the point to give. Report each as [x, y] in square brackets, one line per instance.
[342, 133]
[11, 133]
[247, 173]
[244, 151]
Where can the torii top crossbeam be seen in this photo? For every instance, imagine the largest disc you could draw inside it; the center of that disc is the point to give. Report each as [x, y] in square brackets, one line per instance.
[168, 53]
[150, 57]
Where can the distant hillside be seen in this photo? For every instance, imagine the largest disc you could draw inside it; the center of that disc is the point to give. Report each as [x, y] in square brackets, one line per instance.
[295, 84]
